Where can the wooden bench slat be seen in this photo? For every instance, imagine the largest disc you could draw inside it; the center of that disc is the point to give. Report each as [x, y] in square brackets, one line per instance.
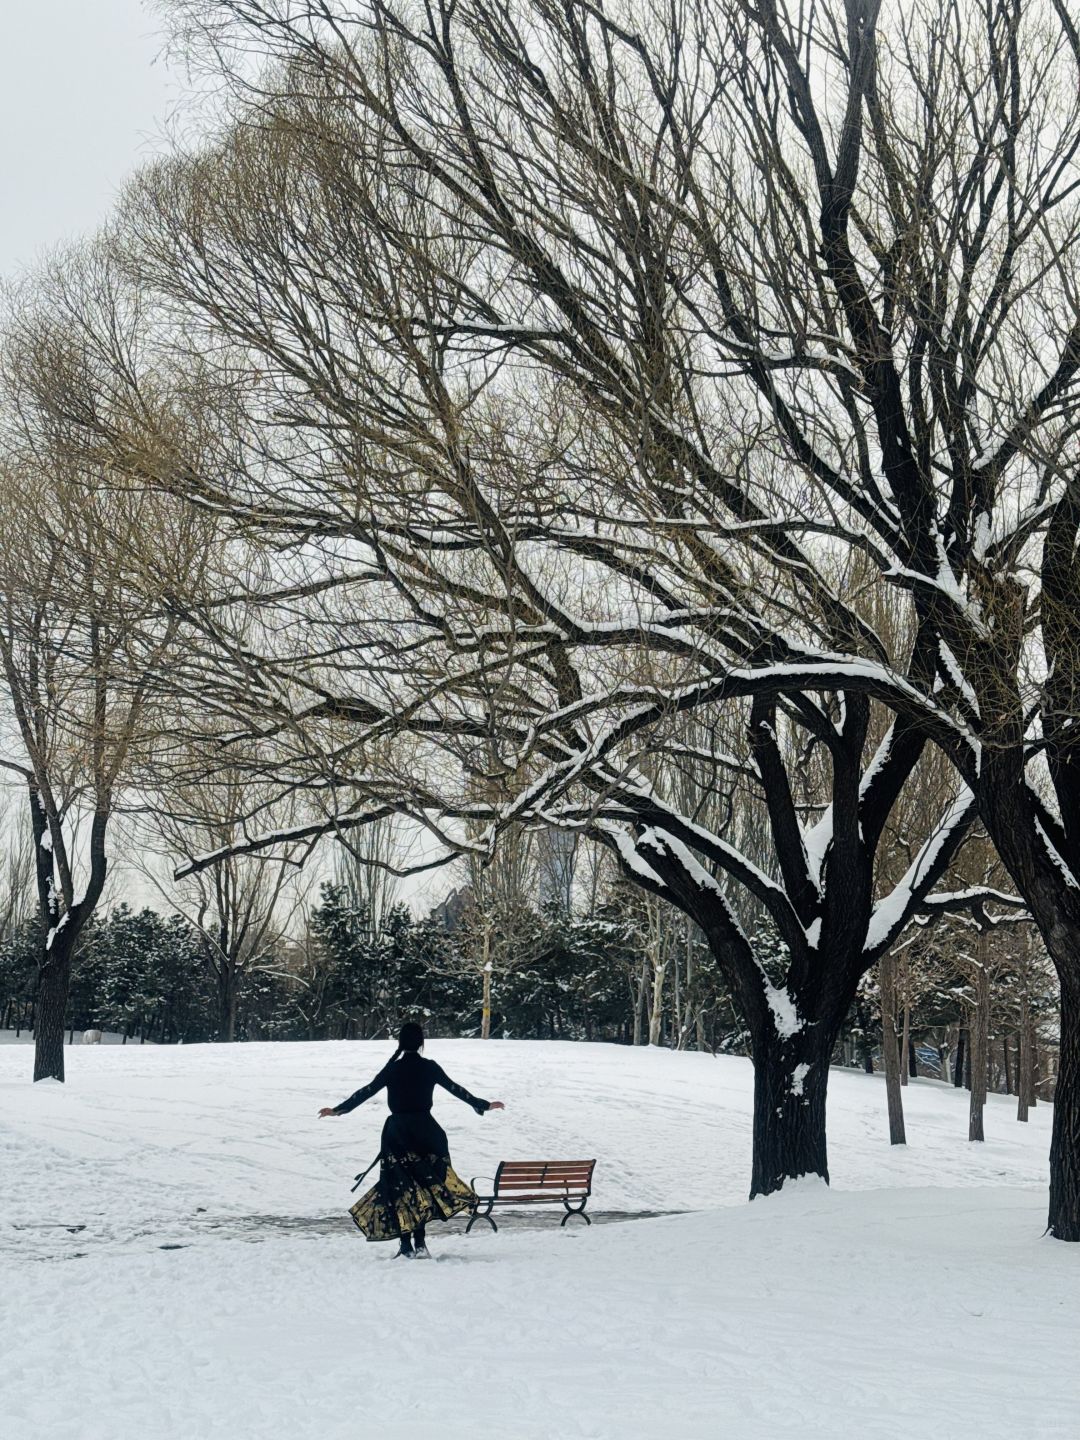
[538, 1199]
[555, 1180]
[547, 1164]
[544, 1174]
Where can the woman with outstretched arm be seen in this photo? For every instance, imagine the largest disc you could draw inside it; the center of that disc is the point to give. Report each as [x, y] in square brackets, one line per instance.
[416, 1181]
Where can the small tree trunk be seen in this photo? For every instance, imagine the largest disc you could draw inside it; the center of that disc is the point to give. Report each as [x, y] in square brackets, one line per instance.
[1026, 1078]
[54, 982]
[639, 1003]
[905, 1047]
[1007, 1061]
[656, 1018]
[485, 1008]
[961, 1057]
[890, 1053]
[679, 1035]
[485, 1012]
[980, 1042]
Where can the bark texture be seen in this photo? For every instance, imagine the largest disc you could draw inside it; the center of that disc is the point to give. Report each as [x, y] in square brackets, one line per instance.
[791, 1078]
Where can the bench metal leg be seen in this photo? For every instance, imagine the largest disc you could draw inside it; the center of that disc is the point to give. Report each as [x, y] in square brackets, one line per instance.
[479, 1214]
[575, 1210]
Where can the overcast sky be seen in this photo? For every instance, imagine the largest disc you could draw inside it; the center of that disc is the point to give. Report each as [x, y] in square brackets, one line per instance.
[81, 102]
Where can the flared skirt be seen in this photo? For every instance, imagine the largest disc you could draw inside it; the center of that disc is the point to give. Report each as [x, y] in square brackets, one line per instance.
[416, 1184]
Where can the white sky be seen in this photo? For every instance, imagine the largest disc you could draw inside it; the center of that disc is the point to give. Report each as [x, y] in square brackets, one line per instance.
[82, 101]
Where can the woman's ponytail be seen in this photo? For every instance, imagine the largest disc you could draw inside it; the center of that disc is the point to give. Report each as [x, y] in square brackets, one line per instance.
[410, 1040]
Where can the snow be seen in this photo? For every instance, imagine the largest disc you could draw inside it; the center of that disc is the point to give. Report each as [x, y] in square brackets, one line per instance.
[893, 910]
[919, 1286]
[816, 841]
[1055, 855]
[957, 676]
[784, 1013]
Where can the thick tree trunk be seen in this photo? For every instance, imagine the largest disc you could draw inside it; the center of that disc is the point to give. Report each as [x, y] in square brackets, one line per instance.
[889, 1051]
[791, 1077]
[1064, 1218]
[980, 1043]
[54, 982]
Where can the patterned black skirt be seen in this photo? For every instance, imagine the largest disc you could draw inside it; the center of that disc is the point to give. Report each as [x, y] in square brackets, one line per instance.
[416, 1183]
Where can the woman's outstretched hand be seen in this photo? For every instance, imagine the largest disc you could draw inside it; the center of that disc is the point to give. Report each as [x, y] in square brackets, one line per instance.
[327, 1110]
[496, 1105]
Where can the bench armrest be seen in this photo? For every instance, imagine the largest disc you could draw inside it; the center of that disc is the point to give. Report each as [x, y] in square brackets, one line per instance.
[489, 1178]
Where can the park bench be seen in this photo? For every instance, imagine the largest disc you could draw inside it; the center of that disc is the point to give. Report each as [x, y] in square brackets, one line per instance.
[536, 1182]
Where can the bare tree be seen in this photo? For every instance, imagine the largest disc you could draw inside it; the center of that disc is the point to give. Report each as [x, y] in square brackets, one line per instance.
[575, 613]
[73, 644]
[242, 906]
[758, 321]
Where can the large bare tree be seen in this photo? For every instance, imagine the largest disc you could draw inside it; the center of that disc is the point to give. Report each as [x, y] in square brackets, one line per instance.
[816, 271]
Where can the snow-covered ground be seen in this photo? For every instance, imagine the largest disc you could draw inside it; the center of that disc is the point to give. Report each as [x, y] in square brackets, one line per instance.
[917, 1294]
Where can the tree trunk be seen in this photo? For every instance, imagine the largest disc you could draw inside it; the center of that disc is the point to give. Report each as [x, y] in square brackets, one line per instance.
[639, 1002]
[1007, 1060]
[656, 1018]
[791, 1078]
[905, 1047]
[54, 981]
[890, 1053]
[980, 1042]
[485, 1010]
[1026, 1080]
[1064, 1218]
[227, 999]
[961, 1057]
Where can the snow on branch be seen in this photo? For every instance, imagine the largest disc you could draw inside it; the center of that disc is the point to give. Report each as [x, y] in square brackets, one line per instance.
[892, 913]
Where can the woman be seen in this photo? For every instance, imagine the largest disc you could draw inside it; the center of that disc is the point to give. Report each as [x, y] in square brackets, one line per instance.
[416, 1182]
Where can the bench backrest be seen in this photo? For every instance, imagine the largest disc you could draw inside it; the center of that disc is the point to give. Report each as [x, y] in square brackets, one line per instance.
[563, 1177]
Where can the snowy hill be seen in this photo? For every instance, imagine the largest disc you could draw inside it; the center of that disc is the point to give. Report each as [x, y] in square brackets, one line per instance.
[918, 1291]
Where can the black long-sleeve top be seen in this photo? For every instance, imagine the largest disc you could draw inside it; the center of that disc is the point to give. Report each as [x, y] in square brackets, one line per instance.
[410, 1084]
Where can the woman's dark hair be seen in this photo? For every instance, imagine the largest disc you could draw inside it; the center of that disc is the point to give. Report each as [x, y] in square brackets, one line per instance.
[410, 1038]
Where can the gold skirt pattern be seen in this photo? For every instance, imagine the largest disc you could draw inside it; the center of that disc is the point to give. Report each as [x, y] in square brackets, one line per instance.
[411, 1191]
